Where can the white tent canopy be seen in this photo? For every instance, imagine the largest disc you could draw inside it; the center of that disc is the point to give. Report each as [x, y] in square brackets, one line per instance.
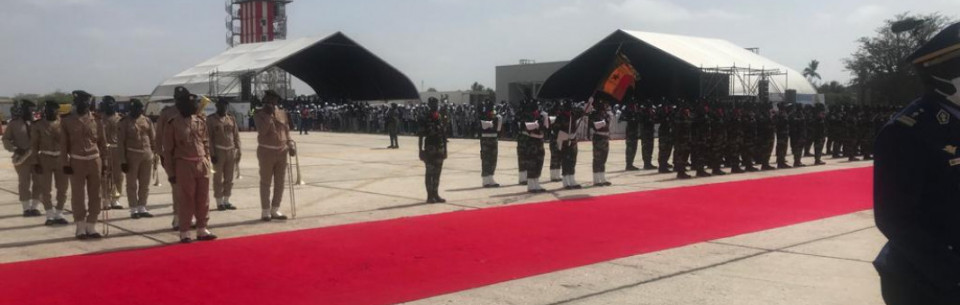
[718, 53]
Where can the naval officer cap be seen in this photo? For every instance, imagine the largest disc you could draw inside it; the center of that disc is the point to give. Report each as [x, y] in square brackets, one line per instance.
[941, 48]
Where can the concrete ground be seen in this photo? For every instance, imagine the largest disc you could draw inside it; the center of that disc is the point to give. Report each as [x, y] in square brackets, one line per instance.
[353, 178]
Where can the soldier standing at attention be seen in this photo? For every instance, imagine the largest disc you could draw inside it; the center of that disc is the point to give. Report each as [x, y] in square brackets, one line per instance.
[522, 139]
[717, 140]
[45, 141]
[16, 138]
[274, 144]
[766, 134]
[782, 121]
[187, 151]
[851, 145]
[734, 126]
[225, 139]
[535, 123]
[81, 144]
[818, 132]
[393, 126]
[748, 130]
[166, 115]
[136, 140]
[683, 135]
[110, 123]
[797, 137]
[630, 115]
[665, 119]
[700, 140]
[490, 125]
[648, 117]
[432, 147]
[567, 125]
[915, 183]
[600, 125]
[556, 160]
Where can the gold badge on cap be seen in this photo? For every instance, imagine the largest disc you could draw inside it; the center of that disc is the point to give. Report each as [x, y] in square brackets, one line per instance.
[943, 117]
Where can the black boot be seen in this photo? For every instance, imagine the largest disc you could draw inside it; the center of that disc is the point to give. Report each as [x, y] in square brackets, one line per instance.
[649, 166]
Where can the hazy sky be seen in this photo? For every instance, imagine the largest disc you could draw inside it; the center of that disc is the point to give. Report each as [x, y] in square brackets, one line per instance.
[127, 47]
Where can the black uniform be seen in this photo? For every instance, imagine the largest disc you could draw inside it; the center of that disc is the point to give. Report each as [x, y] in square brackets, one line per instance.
[630, 115]
[647, 125]
[748, 127]
[798, 136]
[683, 137]
[818, 132]
[700, 140]
[766, 134]
[666, 140]
[783, 136]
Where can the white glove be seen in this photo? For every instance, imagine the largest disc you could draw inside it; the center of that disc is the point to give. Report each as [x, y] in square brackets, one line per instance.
[531, 126]
[599, 124]
[486, 124]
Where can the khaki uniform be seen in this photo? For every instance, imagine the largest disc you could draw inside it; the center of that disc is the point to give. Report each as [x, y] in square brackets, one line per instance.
[186, 153]
[167, 114]
[17, 136]
[225, 142]
[81, 144]
[136, 149]
[110, 126]
[45, 141]
[273, 139]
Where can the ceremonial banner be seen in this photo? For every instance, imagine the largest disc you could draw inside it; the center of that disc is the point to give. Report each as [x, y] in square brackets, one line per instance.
[621, 78]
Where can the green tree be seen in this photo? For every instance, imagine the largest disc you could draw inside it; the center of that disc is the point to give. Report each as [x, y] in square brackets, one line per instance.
[878, 68]
[810, 72]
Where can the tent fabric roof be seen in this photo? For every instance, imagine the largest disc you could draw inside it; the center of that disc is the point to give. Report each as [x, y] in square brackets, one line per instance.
[693, 52]
[334, 66]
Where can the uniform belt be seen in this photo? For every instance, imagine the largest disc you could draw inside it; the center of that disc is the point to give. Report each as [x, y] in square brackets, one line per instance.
[273, 147]
[191, 159]
[142, 151]
[489, 135]
[225, 147]
[535, 136]
[112, 146]
[50, 153]
[602, 133]
[84, 158]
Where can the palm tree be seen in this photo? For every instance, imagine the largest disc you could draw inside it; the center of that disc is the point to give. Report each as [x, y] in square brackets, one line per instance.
[810, 72]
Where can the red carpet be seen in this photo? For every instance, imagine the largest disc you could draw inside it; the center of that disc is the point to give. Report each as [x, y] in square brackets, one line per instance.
[412, 258]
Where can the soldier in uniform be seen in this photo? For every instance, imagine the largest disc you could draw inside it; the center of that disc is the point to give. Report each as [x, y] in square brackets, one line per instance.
[867, 132]
[274, 144]
[432, 146]
[766, 133]
[782, 121]
[735, 140]
[665, 119]
[748, 131]
[600, 125]
[225, 142]
[80, 145]
[836, 131]
[490, 125]
[167, 114]
[915, 183]
[648, 117]
[797, 136]
[535, 123]
[717, 140]
[16, 139]
[818, 132]
[393, 126]
[683, 137]
[851, 145]
[631, 115]
[110, 123]
[556, 160]
[522, 140]
[136, 139]
[567, 125]
[187, 152]
[700, 140]
[45, 141]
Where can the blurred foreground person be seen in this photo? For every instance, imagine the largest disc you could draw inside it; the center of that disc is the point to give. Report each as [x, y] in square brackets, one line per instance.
[916, 176]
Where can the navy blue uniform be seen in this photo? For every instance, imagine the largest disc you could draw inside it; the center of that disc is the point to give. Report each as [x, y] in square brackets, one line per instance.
[916, 193]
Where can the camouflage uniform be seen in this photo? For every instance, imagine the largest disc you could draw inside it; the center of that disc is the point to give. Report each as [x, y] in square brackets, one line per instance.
[682, 136]
[797, 136]
[783, 137]
[647, 121]
[748, 132]
[629, 115]
[433, 143]
[665, 118]
[766, 132]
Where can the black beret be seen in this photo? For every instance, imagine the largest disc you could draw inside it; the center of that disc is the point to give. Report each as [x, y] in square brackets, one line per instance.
[136, 103]
[108, 99]
[943, 46]
[27, 103]
[51, 104]
[80, 95]
[180, 93]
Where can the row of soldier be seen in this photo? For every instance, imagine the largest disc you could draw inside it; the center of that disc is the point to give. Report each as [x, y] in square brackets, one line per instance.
[703, 137]
[95, 153]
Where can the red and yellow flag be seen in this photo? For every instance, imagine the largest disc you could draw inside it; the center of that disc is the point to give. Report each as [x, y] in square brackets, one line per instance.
[621, 78]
